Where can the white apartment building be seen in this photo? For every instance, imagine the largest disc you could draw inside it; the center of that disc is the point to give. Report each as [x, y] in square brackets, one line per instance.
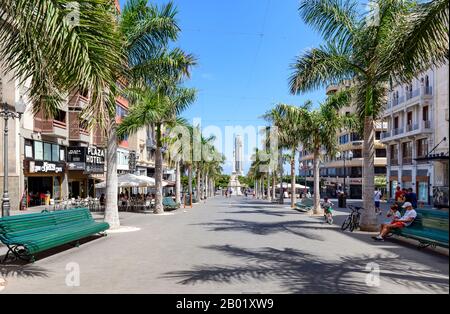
[417, 136]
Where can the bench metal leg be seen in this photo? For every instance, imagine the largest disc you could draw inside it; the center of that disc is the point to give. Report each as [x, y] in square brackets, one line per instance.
[424, 245]
[10, 250]
[19, 252]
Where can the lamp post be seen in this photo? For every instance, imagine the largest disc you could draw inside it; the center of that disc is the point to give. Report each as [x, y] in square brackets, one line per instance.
[6, 113]
[345, 156]
[305, 168]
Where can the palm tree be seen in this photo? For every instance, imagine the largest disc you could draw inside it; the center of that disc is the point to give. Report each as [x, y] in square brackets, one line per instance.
[314, 128]
[394, 42]
[158, 107]
[34, 34]
[145, 31]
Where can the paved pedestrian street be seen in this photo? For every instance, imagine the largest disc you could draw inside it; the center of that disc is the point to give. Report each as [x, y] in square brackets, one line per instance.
[232, 245]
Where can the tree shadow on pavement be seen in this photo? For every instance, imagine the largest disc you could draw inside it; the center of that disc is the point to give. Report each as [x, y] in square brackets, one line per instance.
[301, 228]
[299, 272]
[22, 270]
[262, 212]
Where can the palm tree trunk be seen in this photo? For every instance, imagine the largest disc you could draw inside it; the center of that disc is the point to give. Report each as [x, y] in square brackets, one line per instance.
[280, 154]
[159, 208]
[268, 186]
[317, 208]
[111, 208]
[206, 179]
[368, 216]
[293, 196]
[199, 180]
[274, 182]
[178, 183]
[190, 184]
[261, 186]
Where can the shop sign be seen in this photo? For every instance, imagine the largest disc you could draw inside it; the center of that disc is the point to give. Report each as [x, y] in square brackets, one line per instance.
[89, 159]
[45, 167]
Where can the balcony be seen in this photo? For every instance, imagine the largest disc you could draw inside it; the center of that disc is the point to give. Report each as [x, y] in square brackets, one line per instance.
[76, 130]
[412, 94]
[426, 125]
[398, 101]
[393, 162]
[412, 127]
[78, 102]
[397, 131]
[50, 127]
[385, 135]
[407, 160]
[98, 138]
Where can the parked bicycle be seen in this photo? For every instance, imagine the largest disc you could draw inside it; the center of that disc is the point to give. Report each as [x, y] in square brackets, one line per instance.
[352, 221]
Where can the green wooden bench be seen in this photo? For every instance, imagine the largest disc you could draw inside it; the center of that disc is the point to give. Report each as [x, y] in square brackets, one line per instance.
[27, 234]
[430, 228]
[169, 203]
[305, 204]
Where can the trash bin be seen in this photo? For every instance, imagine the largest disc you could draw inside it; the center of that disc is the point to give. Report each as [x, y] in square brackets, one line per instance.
[342, 201]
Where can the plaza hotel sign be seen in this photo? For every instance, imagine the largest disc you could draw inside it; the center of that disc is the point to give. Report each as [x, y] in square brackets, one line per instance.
[88, 159]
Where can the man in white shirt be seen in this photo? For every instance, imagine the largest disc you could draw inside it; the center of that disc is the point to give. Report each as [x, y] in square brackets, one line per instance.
[401, 223]
[376, 198]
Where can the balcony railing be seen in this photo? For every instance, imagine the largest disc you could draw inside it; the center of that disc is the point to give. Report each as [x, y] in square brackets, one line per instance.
[78, 102]
[397, 131]
[426, 124]
[394, 162]
[412, 94]
[47, 126]
[385, 135]
[428, 90]
[412, 127]
[407, 160]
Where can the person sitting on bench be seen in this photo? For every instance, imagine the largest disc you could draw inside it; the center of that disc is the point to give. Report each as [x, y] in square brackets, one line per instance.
[405, 221]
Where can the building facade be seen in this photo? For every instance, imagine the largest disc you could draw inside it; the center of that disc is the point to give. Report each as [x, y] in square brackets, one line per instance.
[417, 136]
[344, 172]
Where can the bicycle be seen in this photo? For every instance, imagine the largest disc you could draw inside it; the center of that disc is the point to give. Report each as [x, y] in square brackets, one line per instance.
[352, 221]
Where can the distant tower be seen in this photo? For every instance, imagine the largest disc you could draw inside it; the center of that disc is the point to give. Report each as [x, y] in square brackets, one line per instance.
[237, 154]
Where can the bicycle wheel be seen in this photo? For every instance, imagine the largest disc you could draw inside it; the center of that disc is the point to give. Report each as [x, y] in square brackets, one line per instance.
[346, 223]
[354, 223]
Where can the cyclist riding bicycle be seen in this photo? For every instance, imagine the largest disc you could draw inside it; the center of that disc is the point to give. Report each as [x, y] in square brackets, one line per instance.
[327, 206]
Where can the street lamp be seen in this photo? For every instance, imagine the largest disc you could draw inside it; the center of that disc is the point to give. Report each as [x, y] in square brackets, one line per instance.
[6, 113]
[344, 157]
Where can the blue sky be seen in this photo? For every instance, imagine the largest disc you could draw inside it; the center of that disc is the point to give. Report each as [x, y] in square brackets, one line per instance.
[244, 49]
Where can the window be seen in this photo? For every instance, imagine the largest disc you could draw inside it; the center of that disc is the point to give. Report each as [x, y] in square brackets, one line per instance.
[343, 139]
[355, 137]
[356, 172]
[422, 147]
[394, 152]
[60, 116]
[48, 151]
[357, 153]
[425, 115]
[396, 122]
[407, 149]
[55, 152]
[62, 153]
[409, 118]
[380, 170]
[38, 151]
[28, 149]
[380, 153]
[378, 135]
